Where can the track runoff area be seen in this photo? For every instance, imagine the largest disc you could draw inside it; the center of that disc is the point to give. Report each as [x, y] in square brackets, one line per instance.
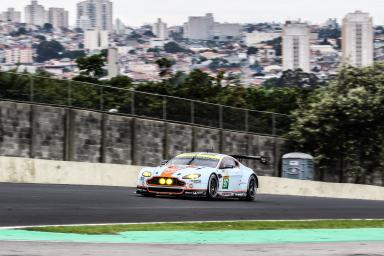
[166, 220]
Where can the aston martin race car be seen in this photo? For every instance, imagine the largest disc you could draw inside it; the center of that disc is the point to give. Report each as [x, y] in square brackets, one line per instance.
[207, 175]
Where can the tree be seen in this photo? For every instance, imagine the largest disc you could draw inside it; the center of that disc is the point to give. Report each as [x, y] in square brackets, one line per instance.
[92, 66]
[199, 85]
[48, 27]
[22, 31]
[173, 47]
[165, 66]
[41, 37]
[149, 33]
[342, 125]
[252, 50]
[154, 50]
[121, 82]
[47, 50]
[74, 54]
[294, 78]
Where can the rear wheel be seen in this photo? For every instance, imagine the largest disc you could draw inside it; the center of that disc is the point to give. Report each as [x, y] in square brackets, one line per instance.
[213, 186]
[252, 188]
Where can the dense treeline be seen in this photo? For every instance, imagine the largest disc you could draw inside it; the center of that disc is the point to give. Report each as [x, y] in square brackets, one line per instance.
[341, 123]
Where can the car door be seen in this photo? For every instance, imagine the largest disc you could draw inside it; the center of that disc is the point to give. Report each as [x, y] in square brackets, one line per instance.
[231, 174]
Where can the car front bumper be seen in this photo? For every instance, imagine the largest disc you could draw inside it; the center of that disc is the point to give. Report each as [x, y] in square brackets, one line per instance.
[172, 191]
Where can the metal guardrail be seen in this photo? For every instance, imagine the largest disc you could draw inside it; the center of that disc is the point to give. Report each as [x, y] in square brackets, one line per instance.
[105, 98]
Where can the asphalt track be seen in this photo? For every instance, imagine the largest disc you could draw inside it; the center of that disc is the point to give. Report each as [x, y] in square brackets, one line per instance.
[29, 204]
[79, 249]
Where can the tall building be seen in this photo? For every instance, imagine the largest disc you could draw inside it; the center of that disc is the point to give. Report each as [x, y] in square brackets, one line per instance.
[120, 27]
[296, 46]
[357, 37]
[58, 17]
[160, 29]
[96, 39]
[226, 31]
[35, 14]
[113, 62]
[199, 27]
[19, 55]
[95, 14]
[11, 15]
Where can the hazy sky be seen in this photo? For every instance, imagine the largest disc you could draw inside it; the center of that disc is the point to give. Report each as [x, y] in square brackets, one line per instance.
[138, 12]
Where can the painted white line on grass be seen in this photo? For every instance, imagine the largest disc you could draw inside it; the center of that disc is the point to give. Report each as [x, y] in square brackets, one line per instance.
[175, 222]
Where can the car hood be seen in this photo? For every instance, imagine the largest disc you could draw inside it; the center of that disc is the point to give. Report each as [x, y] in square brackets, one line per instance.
[180, 170]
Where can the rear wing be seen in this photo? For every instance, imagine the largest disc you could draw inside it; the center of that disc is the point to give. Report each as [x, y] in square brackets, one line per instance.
[262, 159]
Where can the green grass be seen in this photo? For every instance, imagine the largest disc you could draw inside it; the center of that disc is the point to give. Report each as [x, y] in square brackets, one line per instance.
[215, 226]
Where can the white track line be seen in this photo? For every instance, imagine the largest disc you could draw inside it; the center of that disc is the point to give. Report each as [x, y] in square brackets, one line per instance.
[175, 222]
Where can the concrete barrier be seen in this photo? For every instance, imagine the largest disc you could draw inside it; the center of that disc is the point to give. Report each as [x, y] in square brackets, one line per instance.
[281, 186]
[26, 170]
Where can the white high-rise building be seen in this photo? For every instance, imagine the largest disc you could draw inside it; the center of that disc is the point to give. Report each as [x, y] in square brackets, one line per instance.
[160, 29]
[96, 39]
[199, 27]
[357, 37]
[95, 14]
[296, 46]
[120, 27]
[58, 17]
[226, 31]
[35, 14]
[113, 62]
[11, 15]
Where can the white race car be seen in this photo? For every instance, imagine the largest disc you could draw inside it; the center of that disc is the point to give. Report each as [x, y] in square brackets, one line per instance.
[201, 174]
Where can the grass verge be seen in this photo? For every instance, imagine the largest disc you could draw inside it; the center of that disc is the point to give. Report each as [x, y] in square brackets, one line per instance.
[214, 226]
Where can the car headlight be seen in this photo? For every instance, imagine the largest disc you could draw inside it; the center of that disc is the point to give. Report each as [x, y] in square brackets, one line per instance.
[194, 176]
[147, 174]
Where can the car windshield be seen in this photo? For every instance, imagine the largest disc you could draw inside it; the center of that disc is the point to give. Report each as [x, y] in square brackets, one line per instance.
[197, 160]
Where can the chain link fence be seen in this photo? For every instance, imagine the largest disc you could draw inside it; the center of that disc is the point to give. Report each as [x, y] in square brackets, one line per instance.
[68, 93]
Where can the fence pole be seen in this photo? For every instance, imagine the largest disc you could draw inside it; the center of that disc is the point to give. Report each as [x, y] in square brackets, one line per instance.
[164, 108]
[246, 121]
[221, 117]
[273, 124]
[69, 93]
[101, 98]
[133, 103]
[31, 89]
[192, 112]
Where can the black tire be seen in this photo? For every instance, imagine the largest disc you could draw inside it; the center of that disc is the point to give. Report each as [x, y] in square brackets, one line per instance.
[148, 195]
[252, 189]
[213, 187]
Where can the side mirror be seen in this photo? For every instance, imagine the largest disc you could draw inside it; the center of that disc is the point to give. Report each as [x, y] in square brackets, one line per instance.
[228, 167]
[164, 162]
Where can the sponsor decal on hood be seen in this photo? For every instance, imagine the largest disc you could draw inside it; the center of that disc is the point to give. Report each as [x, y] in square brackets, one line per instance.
[168, 172]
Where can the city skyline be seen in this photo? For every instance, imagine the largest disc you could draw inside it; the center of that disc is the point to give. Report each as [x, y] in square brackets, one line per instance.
[276, 10]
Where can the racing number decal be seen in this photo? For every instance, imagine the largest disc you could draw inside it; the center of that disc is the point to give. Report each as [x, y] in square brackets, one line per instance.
[225, 182]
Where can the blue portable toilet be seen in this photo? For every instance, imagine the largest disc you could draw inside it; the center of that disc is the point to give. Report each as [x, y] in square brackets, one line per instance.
[298, 166]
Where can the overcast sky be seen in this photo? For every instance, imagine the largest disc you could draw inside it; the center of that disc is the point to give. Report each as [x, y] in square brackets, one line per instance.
[175, 12]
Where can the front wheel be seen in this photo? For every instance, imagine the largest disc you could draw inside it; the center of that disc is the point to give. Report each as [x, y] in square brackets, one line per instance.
[252, 188]
[213, 186]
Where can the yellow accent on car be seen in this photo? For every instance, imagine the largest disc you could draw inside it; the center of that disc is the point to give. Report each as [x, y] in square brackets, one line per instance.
[199, 155]
[162, 181]
[147, 174]
[169, 181]
[194, 176]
